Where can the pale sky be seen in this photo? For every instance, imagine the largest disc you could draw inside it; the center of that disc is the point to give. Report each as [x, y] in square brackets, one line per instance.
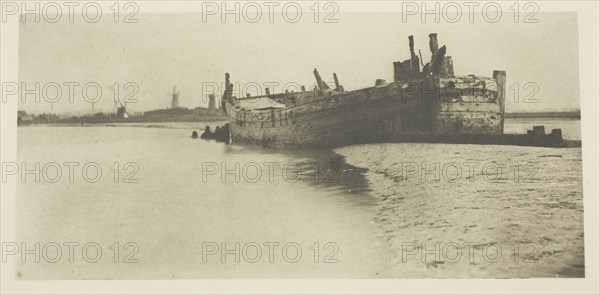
[164, 50]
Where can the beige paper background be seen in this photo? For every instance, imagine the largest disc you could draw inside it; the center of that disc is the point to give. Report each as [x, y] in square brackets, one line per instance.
[589, 94]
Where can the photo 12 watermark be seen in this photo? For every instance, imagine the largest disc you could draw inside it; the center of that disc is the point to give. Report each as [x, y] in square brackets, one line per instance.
[472, 252]
[69, 11]
[69, 251]
[270, 252]
[69, 172]
[70, 91]
[270, 12]
[469, 11]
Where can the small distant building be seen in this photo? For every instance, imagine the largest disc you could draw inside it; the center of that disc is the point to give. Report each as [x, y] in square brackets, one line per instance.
[25, 119]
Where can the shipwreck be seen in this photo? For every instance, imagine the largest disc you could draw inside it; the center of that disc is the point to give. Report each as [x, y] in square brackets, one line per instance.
[426, 102]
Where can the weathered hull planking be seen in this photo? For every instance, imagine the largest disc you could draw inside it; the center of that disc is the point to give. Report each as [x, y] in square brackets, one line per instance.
[418, 104]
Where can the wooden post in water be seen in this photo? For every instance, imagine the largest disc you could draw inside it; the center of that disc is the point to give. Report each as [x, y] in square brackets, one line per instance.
[539, 130]
[556, 136]
[500, 77]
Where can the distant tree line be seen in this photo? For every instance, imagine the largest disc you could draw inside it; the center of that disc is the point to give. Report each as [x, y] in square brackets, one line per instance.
[179, 114]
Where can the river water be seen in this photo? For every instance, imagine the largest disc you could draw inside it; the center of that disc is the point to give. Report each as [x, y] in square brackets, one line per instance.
[167, 206]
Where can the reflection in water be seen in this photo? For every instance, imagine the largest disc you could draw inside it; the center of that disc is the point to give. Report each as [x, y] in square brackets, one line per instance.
[325, 169]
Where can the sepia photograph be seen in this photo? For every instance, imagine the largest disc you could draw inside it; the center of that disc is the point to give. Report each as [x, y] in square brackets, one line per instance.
[299, 147]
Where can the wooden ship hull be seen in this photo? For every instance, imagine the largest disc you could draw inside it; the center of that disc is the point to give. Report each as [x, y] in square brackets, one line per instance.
[428, 104]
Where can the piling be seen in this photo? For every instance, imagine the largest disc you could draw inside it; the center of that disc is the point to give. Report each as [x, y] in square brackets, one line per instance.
[556, 133]
[556, 136]
[539, 131]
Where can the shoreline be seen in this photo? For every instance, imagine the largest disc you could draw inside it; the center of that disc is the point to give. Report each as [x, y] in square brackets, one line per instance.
[120, 122]
[170, 125]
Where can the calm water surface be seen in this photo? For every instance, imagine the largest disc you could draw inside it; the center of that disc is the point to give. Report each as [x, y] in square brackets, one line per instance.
[172, 210]
[360, 199]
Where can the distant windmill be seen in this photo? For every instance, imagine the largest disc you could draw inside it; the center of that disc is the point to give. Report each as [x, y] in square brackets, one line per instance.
[121, 109]
[175, 98]
[212, 103]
